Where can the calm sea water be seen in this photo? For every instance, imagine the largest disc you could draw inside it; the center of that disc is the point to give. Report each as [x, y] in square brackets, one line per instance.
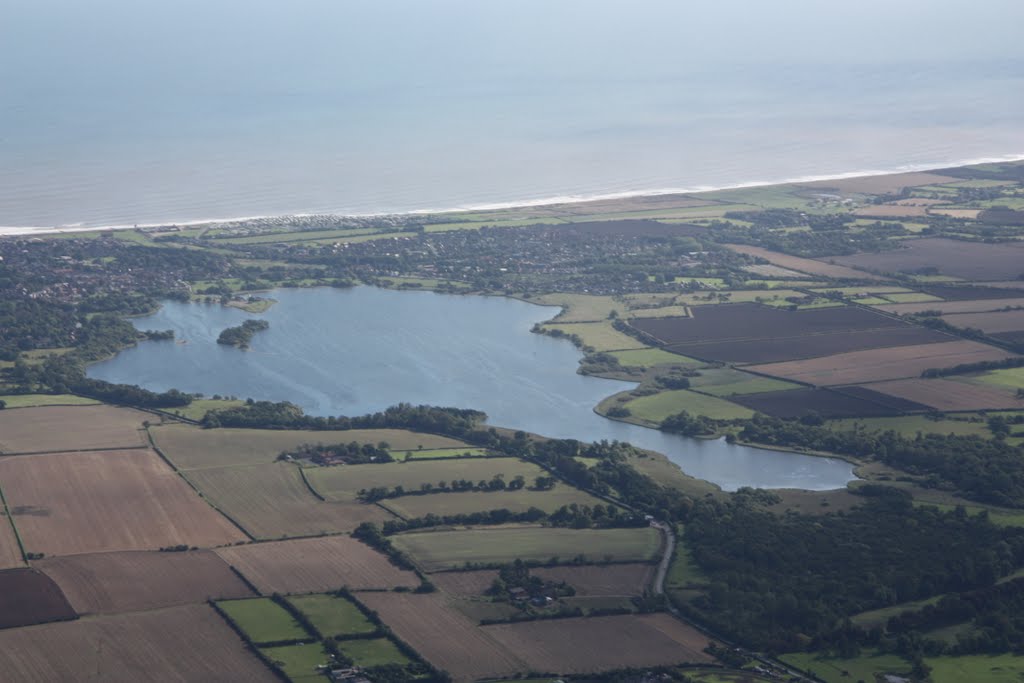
[128, 112]
[355, 351]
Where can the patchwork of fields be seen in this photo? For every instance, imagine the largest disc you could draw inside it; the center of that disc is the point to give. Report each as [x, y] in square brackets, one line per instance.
[968, 260]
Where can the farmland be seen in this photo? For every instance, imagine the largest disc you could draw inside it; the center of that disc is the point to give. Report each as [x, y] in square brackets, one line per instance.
[315, 565]
[1011, 378]
[263, 620]
[910, 425]
[949, 395]
[342, 483]
[192, 448]
[436, 453]
[803, 265]
[827, 403]
[881, 364]
[271, 501]
[480, 501]
[955, 306]
[41, 400]
[10, 553]
[647, 358]
[108, 583]
[600, 643]
[27, 596]
[967, 260]
[373, 652]
[70, 428]
[990, 323]
[67, 503]
[729, 382]
[436, 550]
[132, 647]
[464, 651]
[333, 615]
[657, 407]
[299, 662]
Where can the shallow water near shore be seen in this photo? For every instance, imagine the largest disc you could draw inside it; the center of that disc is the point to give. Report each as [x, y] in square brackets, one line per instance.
[360, 350]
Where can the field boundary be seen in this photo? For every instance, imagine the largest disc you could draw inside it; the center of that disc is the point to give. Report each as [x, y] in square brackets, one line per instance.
[181, 475]
[14, 527]
[309, 485]
[74, 450]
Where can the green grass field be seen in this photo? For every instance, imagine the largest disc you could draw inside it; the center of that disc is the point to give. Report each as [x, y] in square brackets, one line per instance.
[600, 336]
[581, 307]
[433, 453]
[333, 615]
[36, 400]
[1006, 668]
[343, 482]
[1011, 378]
[727, 382]
[683, 572]
[465, 503]
[910, 425]
[657, 407]
[299, 662]
[880, 616]
[739, 296]
[648, 358]
[836, 670]
[450, 549]
[871, 301]
[263, 620]
[664, 312]
[373, 652]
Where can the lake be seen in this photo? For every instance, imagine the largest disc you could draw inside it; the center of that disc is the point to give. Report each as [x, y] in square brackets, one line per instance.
[360, 350]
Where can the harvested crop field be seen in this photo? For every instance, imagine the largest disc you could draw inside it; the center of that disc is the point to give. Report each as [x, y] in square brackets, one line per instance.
[69, 503]
[443, 636]
[891, 211]
[482, 501]
[109, 583]
[749, 333]
[10, 554]
[777, 349]
[803, 265]
[28, 596]
[343, 482]
[949, 307]
[876, 365]
[436, 550]
[190, 643]
[315, 565]
[190, 447]
[588, 580]
[70, 428]
[990, 323]
[271, 501]
[949, 395]
[828, 403]
[967, 260]
[589, 645]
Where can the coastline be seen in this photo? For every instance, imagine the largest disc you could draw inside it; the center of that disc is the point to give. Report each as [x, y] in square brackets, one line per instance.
[551, 201]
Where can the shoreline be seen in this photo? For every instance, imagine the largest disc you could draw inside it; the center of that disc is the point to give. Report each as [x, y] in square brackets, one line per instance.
[551, 201]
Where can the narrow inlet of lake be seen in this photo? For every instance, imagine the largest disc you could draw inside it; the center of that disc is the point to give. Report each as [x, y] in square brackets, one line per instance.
[359, 350]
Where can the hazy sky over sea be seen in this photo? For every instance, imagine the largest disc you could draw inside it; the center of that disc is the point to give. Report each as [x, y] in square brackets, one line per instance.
[126, 111]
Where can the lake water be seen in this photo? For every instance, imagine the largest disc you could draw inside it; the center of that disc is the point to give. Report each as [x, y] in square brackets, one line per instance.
[126, 112]
[357, 351]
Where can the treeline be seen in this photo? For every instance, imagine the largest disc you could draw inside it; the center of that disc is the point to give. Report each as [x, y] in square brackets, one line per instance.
[241, 335]
[985, 470]
[573, 516]
[352, 453]
[455, 422]
[494, 484]
[783, 582]
[967, 368]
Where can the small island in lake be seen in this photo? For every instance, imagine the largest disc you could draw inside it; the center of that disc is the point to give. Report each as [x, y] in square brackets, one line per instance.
[241, 335]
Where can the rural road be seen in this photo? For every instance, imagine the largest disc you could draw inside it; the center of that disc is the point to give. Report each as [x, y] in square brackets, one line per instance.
[666, 558]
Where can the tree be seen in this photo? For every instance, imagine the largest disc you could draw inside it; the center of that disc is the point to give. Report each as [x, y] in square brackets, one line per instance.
[3, 404]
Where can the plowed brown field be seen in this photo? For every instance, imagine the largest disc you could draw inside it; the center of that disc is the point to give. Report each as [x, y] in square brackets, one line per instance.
[804, 265]
[190, 643]
[877, 365]
[312, 565]
[28, 596]
[68, 503]
[444, 637]
[990, 323]
[70, 428]
[599, 643]
[948, 395]
[108, 583]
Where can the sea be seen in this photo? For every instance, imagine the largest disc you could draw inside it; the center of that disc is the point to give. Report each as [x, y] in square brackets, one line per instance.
[133, 112]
